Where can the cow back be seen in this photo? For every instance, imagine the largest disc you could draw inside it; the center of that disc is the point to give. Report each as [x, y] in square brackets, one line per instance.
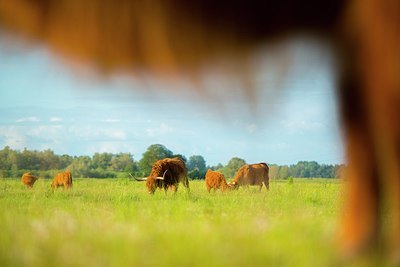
[252, 174]
[215, 180]
[28, 179]
[62, 179]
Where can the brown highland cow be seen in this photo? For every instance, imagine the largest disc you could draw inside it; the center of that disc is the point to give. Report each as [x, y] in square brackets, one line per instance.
[251, 174]
[172, 37]
[167, 174]
[63, 179]
[216, 180]
[28, 179]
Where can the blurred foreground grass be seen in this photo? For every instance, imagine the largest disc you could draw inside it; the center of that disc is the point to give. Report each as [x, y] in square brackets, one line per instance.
[114, 222]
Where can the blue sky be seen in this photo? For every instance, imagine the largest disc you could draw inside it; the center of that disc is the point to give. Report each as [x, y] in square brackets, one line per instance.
[46, 104]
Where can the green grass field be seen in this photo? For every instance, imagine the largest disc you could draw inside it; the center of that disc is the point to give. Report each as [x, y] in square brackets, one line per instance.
[114, 222]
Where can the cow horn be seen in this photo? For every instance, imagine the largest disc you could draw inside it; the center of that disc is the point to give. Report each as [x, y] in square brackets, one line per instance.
[138, 179]
[162, 178]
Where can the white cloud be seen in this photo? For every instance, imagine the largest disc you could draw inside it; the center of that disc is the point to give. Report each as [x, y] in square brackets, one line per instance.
[12, 137]
[246, 126]
[48, 131]
[251, 128]
[56, 119]
[116, 134]
[97, 132]
[162, 129]
[57, 137]
[28, 119]
[301, 126]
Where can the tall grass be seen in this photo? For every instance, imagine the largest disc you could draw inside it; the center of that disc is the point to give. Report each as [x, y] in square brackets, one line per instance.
[115, 222]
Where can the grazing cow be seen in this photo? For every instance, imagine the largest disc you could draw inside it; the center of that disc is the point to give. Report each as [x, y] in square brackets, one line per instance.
[167, 173]
[28, 179]
[169, 37]
[216, 180]
[62, 179]
[251, 174]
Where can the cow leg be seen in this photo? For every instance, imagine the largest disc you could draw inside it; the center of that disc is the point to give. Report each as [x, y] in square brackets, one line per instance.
[186, 184]
[360, 223]
[381, 68]
[166, 188]
[392, 186]
[384, 102]
[174, 188]
[375, 40]
[266, 183]
[360, 220]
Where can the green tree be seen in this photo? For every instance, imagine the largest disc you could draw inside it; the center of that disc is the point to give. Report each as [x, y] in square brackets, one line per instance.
[80, 166]
[273, 171]
[8, 158]
[8, 162]
[182, 157]
[283, 172]
[65, 161]
[217, 167]
[102, 161]
[196, 167]
[153, 153]
[48, 160]
[196, 161]
[28, 160]
[232, 167]
[122, 162]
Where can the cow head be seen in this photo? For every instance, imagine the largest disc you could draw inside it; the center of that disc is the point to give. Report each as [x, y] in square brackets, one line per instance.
[233, 185]
[152, 182]
[151, 185]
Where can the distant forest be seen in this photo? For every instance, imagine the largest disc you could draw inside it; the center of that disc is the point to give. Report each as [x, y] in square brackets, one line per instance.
[13, 163]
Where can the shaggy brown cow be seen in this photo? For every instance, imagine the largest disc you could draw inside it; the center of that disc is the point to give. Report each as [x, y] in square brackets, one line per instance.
[29, 179]
[169, 37]
[62, 179]
[216, 180]
[167, 173]
[252, 174]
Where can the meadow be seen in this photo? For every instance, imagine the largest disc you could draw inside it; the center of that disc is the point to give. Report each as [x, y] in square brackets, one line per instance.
[115, 222]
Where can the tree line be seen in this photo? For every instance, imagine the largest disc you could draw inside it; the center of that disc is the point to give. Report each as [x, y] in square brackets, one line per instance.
[13, 163]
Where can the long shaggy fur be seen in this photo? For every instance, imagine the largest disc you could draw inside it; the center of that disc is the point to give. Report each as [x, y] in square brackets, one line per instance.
[175, 173]
[252, 174]
[168, 37]
[63, 179]
[163, 36]
[216, 180]
[28, 179]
